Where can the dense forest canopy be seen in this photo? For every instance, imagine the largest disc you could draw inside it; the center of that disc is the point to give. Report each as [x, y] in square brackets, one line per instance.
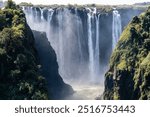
[129, 73]
[19, 67]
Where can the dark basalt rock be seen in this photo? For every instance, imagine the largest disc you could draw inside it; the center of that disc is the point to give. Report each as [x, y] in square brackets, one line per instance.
[49, 67]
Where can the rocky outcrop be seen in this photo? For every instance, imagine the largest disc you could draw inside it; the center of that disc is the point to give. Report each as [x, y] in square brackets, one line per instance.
[49, 67]
[129, 74]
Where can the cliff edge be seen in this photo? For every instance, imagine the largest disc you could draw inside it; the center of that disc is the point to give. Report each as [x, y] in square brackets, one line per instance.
[128, 76]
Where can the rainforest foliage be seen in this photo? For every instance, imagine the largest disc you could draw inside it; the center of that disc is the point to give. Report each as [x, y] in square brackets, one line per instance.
[19, 69]
[129, 73]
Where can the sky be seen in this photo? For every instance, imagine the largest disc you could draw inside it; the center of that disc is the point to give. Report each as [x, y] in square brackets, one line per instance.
[105, 2]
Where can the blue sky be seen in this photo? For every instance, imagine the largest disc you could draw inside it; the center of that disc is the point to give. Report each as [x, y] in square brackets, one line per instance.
[110, 2]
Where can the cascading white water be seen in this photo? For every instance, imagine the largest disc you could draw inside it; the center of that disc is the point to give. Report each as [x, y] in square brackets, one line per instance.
[65, 32]
[116, 28]
[47, 24]
[50, 15]
[61, 43]
[94, 52]
[97, 48]
[66, 39]
[90, 44]
[79, 33]
[42, 16]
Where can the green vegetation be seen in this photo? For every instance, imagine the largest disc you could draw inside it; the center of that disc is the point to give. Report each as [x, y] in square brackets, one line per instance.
[130, 62]
[25, 4]
[101, 8]
[19, 72]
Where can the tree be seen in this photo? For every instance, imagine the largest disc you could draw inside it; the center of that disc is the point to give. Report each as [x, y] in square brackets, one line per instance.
[10, 4]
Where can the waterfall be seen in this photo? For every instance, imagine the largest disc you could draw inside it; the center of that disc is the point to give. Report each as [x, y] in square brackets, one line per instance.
[93, 40]
[97, 48]
[79, 30]
[116, 28]
[36, 15]
[81, 38]
[50, 15]
[61, 42]
[77, 54]
[42, 11]
[90, 44]
[48, 23]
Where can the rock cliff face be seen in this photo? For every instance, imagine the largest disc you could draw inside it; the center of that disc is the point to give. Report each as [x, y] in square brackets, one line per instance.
[49, 67]
[129, 74]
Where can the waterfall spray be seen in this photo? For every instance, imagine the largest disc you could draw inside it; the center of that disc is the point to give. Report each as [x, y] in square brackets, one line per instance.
[50, 15]
[42, 11]
[97, 48]
[93, 40]
[116, 28]
[90, 44]
[78, 25]
[66, 34]
[60, 41]
[49, 19]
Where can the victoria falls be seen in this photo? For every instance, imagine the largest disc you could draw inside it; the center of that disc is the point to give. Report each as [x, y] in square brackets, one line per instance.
[74, 52]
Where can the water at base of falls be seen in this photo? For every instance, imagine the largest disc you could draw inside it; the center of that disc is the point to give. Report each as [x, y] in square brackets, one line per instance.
[86, 92]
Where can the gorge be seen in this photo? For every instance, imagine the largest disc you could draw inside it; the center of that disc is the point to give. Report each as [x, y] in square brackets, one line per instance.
[74, 52]
[83, 39]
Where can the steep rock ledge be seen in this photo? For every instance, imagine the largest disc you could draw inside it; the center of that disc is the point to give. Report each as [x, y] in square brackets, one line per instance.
[129, 73]
[49, 67]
